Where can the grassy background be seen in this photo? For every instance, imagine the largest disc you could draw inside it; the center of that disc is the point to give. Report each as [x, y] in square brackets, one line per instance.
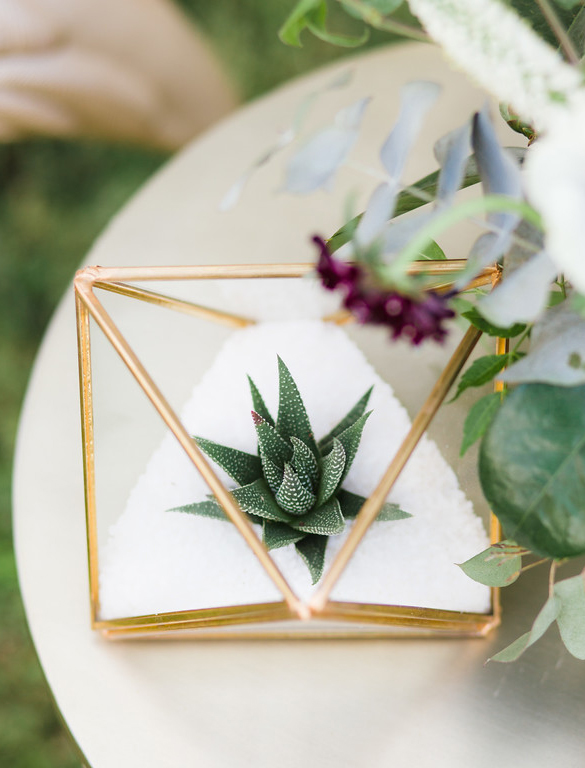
[55, 197]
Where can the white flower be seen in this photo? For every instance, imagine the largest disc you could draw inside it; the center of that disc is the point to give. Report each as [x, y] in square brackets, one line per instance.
[502, 53]
[555, 185]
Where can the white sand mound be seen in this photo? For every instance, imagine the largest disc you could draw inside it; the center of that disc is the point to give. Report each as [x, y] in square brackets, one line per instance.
[157, 561]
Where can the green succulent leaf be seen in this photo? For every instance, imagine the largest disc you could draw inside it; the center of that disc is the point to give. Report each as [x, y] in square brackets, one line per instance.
[492, 330]
[258, 403]
[351, 417]
[478, 419]
[292, 495]
[305, 464]
[532, 468]
[292, 420]
[497, 566]
[242, 467]
[272, 474]
[351, 503]
[482, 370]
[326, 520]
[350, 440]
[209, 508]
[545, 618]
[270, 443]
[332, 467]
[257, 499]
[312, 549]
[276, 535]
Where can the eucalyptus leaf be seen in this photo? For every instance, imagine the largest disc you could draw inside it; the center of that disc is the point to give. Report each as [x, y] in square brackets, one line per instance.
[242, 467]
[479, 418]
[545, 618]
[557, 350]
[571, 618]
[497, 566]
[312, 549]
[531, 468]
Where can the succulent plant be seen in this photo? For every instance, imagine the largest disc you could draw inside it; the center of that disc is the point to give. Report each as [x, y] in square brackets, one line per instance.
[292, 487]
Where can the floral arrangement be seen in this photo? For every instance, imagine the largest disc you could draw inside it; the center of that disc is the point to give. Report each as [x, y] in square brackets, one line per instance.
[530, 56]
[292, 487]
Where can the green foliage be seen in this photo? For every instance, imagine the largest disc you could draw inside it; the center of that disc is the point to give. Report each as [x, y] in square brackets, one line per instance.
[312, 15]
[492, 330]
[497, 566]
[293, 487]
[479, 418]
[529, 10]
[483, 370]
[531, 468]
[545, 618]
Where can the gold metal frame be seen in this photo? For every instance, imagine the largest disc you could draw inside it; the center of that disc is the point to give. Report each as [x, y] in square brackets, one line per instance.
[290, 617]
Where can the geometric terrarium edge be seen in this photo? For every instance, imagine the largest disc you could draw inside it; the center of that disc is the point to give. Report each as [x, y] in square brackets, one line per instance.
[319, 613]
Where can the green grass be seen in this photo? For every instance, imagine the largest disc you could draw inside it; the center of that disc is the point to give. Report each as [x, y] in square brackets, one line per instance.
[55, 197]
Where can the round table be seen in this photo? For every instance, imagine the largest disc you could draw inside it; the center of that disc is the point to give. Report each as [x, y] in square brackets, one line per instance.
[153, 704]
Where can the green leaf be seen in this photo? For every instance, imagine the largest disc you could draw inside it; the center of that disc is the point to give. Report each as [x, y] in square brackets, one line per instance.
[305, 463]
[276, 535]
[270, 443]
[296, 22]
[480, 322]
[532, 468]
[568, 4]
[481, 371]
[312, 549]
[496, 566]
[571, 618]
[272, 474]
[351, 504]
[292, 495]
[384, 7]
[577, 32]
[259, 404]
[350, 440]
[545, 618]
[209, 508]
[432, 252]
[292, 420]
[316, 23]
[257, 499]
[242, 467]
[352, 416]
[332, 467]
[326, 520]
[530, 10]
[479, 418]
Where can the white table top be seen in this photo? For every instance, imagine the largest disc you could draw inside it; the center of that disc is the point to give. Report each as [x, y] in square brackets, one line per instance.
[291, 704]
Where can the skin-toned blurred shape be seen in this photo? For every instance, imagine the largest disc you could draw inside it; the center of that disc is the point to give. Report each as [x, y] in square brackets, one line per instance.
[125, 70]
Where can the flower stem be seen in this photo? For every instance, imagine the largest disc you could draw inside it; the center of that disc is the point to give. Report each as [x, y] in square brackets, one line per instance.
[559, 31]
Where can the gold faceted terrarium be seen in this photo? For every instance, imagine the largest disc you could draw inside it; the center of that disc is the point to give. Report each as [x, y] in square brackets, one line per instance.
[321, 616]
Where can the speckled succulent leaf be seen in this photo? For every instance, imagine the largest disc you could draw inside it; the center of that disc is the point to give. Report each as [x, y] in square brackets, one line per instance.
[292, 495]
[326, 520]
[257, 499]
[312, 549]
[258, 403]
[272, 473]
[292, 415]
[209, 508]
[352, 416]
[242, 467]
[332, 466]
[276, 535]
[270, 442]
[351, 503]
[350, 440]
[305, 463]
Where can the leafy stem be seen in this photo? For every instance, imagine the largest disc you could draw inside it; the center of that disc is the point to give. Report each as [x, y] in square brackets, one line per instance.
[559, 31]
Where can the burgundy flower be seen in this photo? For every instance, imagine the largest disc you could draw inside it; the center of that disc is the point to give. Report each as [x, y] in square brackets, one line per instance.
[417, 319]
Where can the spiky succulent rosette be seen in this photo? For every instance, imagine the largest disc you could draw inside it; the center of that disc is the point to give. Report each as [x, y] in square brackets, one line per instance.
[293, 486]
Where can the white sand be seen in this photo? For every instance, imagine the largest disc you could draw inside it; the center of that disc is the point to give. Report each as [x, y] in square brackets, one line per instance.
[157, 561]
